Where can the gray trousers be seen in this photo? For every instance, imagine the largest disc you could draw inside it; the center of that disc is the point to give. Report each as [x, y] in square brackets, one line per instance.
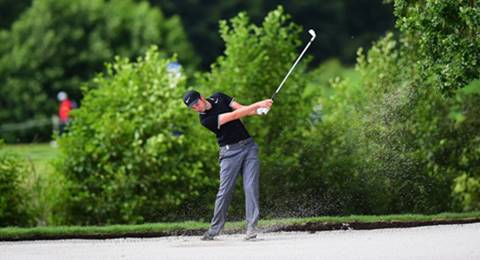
[236, 159]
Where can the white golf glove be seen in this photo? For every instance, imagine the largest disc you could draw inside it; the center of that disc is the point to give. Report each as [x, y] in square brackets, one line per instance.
[262, 111]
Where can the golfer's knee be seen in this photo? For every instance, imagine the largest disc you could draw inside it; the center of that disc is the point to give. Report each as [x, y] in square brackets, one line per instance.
[223, 194]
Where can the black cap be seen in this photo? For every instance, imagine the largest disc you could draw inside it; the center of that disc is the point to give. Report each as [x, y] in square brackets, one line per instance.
[191, 97]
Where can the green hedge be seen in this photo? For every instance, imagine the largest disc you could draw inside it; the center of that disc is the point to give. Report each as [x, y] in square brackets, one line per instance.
[132, 154]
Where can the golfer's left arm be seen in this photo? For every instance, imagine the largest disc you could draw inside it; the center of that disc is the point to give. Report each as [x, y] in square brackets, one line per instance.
[243, 111]
[235, 105]
[260, 111]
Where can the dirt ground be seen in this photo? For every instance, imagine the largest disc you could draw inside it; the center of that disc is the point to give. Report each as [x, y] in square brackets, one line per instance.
[428, 242]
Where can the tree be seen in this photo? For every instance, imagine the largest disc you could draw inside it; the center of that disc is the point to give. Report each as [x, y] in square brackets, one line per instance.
[58, 45]
[448, 38]
[11, 10]
[419, 144]
[342, 25]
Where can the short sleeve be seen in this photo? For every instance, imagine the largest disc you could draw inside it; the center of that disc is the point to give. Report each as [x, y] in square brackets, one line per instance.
[211, 122]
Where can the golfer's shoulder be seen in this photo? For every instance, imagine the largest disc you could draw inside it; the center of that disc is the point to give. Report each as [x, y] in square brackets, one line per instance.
[218, 95]
[221, 96]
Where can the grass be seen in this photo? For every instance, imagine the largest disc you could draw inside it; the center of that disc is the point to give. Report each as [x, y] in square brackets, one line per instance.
[192, 227]
[375, 218]
[39, 154]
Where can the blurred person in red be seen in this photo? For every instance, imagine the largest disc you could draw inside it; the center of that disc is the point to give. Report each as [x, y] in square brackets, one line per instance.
[64, 109]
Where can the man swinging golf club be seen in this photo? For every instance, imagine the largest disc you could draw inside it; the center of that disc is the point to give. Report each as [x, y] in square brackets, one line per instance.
[221, 114]
[238, 152]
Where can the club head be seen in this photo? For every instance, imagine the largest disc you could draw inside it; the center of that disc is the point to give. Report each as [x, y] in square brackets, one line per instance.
[312, 33]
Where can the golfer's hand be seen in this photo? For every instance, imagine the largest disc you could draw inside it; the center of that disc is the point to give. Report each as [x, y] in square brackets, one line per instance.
[267, 103]
[264, 106]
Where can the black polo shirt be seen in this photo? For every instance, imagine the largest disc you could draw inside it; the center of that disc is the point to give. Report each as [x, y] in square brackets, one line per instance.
[228, 133]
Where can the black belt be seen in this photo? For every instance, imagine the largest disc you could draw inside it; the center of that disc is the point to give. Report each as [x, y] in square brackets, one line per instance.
[237, 144]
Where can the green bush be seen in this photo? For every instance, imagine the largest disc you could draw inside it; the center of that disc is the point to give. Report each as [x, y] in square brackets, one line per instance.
[467, 192]
[12, 197]
[132, 154]
[380, 151]
[59, 44]
[46, 194]
[417, 148]
[419, 145]
[447, 36]
[388, 81]
[464, 113]
[403, 118]
[42, 189]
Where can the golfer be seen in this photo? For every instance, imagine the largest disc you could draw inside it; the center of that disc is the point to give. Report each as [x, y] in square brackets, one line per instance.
[238, 154]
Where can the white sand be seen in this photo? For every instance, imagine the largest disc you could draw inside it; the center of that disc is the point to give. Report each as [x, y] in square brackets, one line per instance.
[433, 242]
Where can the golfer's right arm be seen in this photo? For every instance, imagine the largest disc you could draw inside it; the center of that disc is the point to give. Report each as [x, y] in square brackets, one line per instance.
[243, 111]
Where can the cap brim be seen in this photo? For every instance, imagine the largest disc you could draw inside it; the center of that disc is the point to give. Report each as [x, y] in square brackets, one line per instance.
[194, 102]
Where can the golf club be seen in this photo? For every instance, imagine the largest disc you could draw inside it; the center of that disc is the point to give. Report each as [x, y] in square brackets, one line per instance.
[264, 111]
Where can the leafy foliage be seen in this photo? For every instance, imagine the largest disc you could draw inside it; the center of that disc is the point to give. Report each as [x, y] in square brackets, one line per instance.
[12, 169]
[132, 154]
[417, 149]
[343, 25]
[58, 45]
[419, 145]
[400, 134]
[464, 113]
[448, 39]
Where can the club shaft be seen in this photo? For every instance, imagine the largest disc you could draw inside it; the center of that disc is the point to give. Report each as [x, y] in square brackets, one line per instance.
[291, 69]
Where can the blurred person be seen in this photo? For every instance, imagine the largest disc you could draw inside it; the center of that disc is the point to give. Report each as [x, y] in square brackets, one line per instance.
[66, 105]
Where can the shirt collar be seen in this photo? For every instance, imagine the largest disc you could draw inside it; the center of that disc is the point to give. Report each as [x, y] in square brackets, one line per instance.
[211, 101]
